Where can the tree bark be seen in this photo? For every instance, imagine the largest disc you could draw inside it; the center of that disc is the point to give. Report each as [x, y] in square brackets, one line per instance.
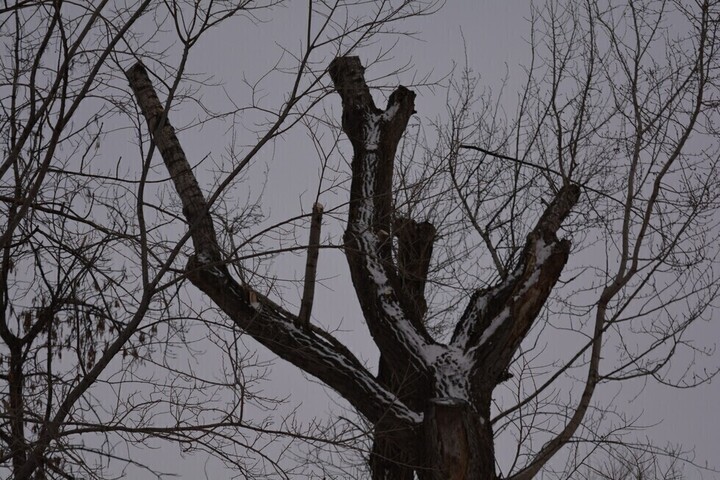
[311, 266]
[390, 459]
[458, 443]
[16, 408]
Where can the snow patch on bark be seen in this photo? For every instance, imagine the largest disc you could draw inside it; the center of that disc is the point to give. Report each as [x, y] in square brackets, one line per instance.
[451, 369]
[372, 131]
[542, 251]
[205, 260]
[324, 351]
[370, 241]
[390, 113]
[494, 325]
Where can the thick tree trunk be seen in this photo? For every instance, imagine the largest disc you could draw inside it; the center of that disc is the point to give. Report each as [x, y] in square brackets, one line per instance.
[390, 458]
[16, 409]
[458, 443]
[455, 443]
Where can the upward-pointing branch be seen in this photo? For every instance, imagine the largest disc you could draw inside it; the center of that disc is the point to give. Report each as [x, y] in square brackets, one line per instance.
[374, 135]
[311, 266]
[497, 320]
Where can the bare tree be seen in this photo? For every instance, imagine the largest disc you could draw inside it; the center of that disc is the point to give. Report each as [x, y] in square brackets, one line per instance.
[587, 220]
[633, 463]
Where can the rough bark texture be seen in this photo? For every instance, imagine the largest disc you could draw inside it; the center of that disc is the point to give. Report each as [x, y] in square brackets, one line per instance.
[16, 409]
[456, 443]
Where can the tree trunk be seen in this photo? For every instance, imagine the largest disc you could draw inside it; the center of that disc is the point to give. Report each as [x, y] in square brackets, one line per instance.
[15, 407]
[390, 458]
[458, 443]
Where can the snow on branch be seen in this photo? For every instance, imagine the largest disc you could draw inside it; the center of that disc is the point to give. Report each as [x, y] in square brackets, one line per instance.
[497, 319]
[374, 135]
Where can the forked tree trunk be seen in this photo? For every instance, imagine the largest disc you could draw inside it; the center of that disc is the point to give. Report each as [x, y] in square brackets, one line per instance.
[451, 384]
[454, 442]
[431, 403]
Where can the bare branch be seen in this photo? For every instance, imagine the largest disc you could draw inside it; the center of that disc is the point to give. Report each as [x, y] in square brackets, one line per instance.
[311, 266]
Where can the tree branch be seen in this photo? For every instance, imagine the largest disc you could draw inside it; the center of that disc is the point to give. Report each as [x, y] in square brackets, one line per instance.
[496, 320]
[311, 266]
[415, 246]
[374, 135]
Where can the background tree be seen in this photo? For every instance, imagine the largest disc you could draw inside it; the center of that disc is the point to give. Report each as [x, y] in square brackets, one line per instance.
[634, 464]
